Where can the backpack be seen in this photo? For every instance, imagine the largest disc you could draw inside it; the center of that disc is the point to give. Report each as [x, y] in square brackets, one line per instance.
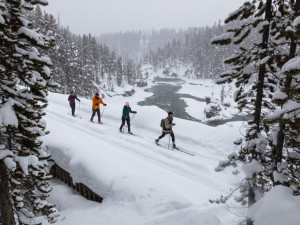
[162, 123]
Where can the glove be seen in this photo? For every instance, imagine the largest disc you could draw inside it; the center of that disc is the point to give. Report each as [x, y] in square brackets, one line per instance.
[134, 112]
[96, 104]
[79, 100]
[104, 104]
[173, 124]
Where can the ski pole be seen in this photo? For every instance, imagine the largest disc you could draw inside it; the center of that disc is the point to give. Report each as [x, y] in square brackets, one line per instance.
[132, 117]
[129, 121]
[102, 111]
[125, 125]
[169, 141]
[79, 110]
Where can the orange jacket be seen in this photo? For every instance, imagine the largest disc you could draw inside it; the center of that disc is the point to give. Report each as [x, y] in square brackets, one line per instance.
[96, 102]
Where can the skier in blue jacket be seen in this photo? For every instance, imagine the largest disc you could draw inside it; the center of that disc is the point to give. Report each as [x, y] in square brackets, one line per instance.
[125, 116]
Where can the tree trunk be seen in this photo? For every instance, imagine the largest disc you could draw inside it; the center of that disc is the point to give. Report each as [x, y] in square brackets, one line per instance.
[262, 68]
[6, 209]
[260, 88]
[287, 85]
[251, 201]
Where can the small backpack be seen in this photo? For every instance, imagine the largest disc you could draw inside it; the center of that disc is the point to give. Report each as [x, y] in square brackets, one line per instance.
[162, 123]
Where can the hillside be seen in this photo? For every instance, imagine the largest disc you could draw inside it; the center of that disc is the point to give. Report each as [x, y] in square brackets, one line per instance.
[141, 183]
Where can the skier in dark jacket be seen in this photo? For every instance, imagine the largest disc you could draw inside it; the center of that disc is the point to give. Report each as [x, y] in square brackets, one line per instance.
[71, 100]
[167, 129]
[125, 116]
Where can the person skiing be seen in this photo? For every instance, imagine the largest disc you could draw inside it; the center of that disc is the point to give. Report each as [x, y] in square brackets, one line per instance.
[125, 116]
[71, 100]
[96, 106]
[167, 125]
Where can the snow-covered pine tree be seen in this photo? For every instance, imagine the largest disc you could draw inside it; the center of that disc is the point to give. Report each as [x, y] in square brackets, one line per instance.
[275, 158]
[130, 72]
[285, 121]
[21, 111]
[256, 63]
[119, 72]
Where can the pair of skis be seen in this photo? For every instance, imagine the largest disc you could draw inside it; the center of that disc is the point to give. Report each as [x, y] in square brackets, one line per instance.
[123, 132]
[96, 122]
[176, 148]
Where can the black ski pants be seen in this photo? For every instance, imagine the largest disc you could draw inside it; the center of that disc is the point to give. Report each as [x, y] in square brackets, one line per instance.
[123, 123]
[168, 132]
[94, 112]
[72, 108]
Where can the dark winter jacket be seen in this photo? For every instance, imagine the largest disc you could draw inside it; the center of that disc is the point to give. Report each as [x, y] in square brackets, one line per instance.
[126, 111]
[168, 124]
[72, 98]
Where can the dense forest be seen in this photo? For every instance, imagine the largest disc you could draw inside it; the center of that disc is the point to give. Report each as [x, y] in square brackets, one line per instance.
[85, 63]
[135, 44]
[188, 49]
[80, 63]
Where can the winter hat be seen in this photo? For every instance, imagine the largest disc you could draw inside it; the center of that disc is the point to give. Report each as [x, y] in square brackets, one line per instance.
[97, 94]
[127, 103]
[169, 113]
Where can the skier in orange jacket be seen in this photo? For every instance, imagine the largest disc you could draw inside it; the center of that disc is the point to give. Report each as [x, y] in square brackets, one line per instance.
[96, 106]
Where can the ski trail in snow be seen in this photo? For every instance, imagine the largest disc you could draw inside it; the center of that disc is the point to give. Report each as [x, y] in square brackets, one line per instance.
[142, 148]
[172, 160]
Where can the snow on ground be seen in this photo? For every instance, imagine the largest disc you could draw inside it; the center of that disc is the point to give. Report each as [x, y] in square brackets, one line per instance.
[141, 183]
[203, 88]
[277, 207]
[195, 108]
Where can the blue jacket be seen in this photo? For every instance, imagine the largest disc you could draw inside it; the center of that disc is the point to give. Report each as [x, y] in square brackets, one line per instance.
[126, 111]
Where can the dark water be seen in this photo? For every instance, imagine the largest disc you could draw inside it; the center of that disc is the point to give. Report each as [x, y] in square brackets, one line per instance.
[165, 97]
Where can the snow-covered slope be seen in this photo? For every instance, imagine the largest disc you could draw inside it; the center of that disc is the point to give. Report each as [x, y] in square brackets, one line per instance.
[141, 183]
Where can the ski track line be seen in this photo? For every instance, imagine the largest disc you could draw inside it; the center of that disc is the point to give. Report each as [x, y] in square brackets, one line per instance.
[184, 168]
[167, 164]
[110, 131]
[210, 143]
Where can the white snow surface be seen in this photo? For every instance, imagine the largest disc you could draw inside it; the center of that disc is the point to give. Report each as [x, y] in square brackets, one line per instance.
[7, 114]
[296, 22]
[292, 64]
[141, 183]
[277, 207]
[207, 88]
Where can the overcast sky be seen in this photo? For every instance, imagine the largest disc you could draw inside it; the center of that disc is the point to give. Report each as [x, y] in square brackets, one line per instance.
[103, 16]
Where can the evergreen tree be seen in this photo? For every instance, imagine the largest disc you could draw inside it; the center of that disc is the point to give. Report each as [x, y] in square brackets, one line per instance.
[285, 121]
[261, 151]
[21, 110]
[119, 68]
